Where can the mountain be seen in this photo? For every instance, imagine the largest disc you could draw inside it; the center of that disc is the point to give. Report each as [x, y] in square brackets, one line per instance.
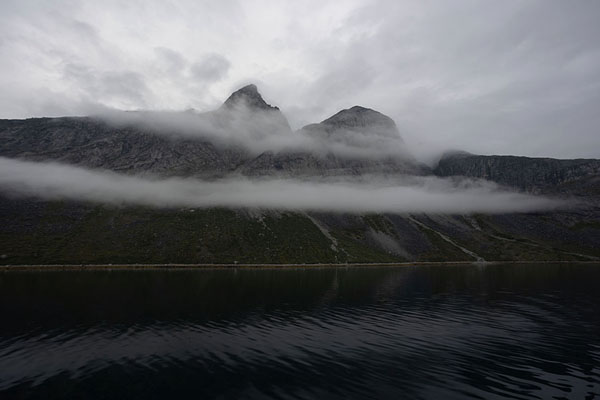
[356, 120]
[537, 175]
[95, 143]
[243, 137]
[354, 142]
[231, 139]
[249, 97]
[245, 109]
[65, 232]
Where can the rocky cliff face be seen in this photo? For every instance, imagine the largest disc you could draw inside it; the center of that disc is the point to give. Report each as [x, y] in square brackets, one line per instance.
[140, 146]
[248, 96]
[537, 175]
[93, 143]
[305, 164]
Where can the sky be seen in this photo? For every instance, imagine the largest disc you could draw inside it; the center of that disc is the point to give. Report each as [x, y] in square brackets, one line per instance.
[489, 77]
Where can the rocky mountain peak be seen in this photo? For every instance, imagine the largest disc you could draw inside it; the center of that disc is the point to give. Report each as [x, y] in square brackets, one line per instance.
[356, 119]
[360, 117]
[248, 96]
[245, 109]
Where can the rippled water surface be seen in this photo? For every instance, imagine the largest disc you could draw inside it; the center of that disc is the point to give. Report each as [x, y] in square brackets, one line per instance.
[444, 332]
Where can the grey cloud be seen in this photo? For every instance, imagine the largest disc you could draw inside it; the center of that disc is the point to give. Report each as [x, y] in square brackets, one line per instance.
[126, 87]
[84, 30]
[258, 132]
[124, 84]
[414, 195]
[211, 68]
[173, 61]
[488, 72]
[489, 77]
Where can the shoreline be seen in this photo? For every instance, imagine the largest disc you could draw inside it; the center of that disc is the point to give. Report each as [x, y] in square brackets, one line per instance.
[177, 266]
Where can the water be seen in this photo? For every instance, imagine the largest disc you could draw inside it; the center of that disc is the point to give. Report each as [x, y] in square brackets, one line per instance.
[444, 332]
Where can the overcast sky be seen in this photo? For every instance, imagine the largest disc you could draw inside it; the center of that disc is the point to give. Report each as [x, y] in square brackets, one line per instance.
[492, 77]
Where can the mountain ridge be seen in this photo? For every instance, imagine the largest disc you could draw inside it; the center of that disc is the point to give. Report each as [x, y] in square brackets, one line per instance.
[35, 231]
[140, 147]
[131, 148]
[532, 174]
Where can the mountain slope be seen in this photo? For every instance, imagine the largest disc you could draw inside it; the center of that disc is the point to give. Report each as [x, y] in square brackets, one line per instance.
[59, 232]
[538, 175]
[94, 143]
[354, 142]
[356, 119]
[232, 139]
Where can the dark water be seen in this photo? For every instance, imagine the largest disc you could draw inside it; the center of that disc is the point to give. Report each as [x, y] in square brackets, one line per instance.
[492, 332]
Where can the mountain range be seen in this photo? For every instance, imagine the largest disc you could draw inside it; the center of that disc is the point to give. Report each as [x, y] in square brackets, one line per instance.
[248, 137]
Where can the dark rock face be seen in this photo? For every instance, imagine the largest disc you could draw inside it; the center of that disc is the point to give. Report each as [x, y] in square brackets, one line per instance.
[249, 97]
[92, 143]
[538, 175]
[306, 164]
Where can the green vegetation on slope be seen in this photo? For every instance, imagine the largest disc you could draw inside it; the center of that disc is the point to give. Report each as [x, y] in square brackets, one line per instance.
[38, 232]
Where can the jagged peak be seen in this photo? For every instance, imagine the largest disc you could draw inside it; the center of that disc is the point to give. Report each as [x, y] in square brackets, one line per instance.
[248, 96]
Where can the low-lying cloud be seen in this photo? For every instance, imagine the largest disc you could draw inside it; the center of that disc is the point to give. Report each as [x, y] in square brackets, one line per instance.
[53, 181]
[258, 131]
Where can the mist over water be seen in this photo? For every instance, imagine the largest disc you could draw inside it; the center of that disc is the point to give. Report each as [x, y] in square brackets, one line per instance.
[451, 332]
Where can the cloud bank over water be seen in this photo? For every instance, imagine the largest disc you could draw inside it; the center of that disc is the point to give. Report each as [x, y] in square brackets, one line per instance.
[53, 181]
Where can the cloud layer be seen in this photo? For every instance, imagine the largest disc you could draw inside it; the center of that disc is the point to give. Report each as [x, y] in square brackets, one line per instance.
[520, 77]
[259, 131]
[410, 195]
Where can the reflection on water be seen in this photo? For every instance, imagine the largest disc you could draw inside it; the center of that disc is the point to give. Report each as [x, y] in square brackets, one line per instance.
[491, 332]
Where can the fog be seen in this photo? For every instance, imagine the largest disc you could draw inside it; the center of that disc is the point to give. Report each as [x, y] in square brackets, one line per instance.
[258, 131]
[53, 181]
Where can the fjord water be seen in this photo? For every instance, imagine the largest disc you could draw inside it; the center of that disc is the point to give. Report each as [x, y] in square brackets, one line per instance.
[424, 332]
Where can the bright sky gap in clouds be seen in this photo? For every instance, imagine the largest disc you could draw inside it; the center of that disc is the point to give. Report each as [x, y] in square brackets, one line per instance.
[490, 77]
